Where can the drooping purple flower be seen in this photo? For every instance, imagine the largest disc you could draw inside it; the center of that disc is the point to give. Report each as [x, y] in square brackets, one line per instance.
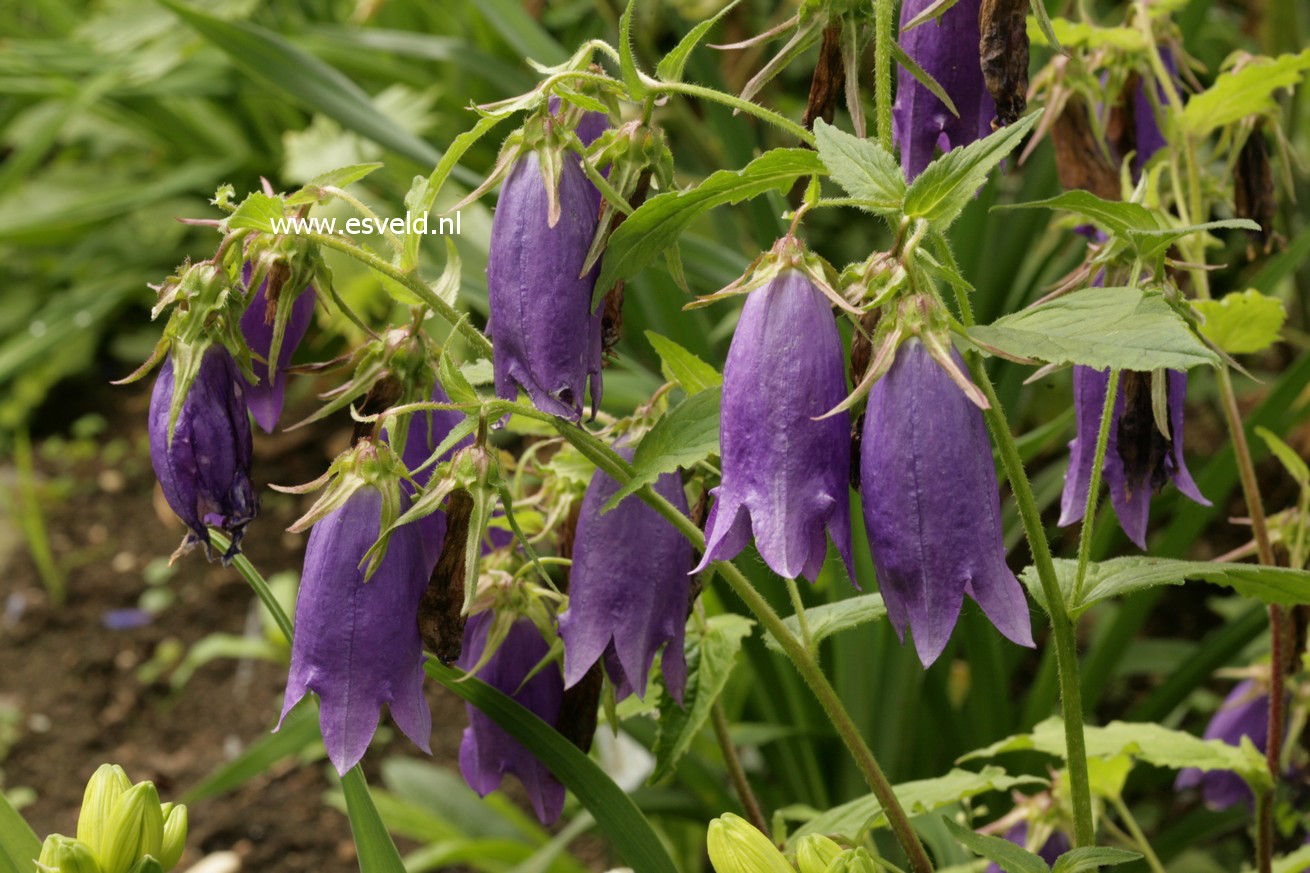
[948, 51]
[1055, 846]
[785, 476]
[205, 471]
[357, 643]
[1147, 136]
[427, 429]
[628, 589]
[545, 336]
[932, 506]
[590, 126]
[1244, 713]
[1139, 459]
[486, 752]
[265, 397]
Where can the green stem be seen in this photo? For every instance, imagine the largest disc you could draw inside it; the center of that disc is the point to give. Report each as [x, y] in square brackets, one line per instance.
[1062, 629]
[882, 65]
[1094, 486]
[479, 343]
[256, 581]
[736, 772]
[737, 103]
[621, 471]
[1152, 860]
[807, 638]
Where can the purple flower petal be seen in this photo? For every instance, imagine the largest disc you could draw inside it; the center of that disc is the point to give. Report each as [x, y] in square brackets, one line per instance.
[546, 339]
[785, 475]
[357, 643]
[205, 471]
[487, 753]
[1055, 846]
[1244, 713]
[265, 397]
[626, 602]
[932, 506]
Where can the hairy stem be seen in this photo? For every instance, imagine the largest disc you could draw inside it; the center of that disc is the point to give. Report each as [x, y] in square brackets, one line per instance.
[882, 66]
[738, 104]
[1094, 486]
[806, 637]
[735, 771]
[1152, 859]
[620, 471]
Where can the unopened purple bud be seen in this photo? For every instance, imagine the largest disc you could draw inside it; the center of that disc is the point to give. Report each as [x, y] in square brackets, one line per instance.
[1244, 713]
[486, 752]
[205, 471]
[1139, 459]
[932, 506]
[546, 339]
[947, 50]
[265, 397]
[785, 476]
[626, 602]
[357, 643]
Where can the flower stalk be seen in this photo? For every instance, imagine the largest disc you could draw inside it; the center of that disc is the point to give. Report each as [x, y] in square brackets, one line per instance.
[1094, 489]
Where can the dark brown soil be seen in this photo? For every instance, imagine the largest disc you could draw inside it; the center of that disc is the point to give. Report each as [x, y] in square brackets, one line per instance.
[75, 684]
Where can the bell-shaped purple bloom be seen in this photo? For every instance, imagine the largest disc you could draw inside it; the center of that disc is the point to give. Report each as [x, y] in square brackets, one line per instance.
[1139, 459]
[265, 397]
[628, 589]
[546, 338]
[1055, 846]
[205, 471]
[785, 476]
[427, 429]
[932, 506]
[590, 126]
[948, 51]
[357, 643]
[487, 753]
[1244, 713]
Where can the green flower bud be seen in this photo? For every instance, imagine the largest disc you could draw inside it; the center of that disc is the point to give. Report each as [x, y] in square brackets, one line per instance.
[103, 790]
[175, 825]
[853, 861]
[135, 829]
[737, 847]
[815, 852]
[59, 854]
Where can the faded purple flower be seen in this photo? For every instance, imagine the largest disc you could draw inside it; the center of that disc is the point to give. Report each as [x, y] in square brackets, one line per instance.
[785, 476]
[357, 643]
[1055, 846]
[546, 338]
[487, 753]
[948, 51]
[932, 506]
[265, 397]
[626, 602]
[1244, 713]
[205, 472]
[1139, 460]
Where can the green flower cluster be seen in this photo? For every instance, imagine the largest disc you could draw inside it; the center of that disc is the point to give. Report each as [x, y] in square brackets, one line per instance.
[737, 847]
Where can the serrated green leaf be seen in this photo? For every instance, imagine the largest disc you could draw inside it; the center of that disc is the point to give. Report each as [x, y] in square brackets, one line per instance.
[1244, 323]
[1287, 456]
[679, 365]
[671, 65]
[258, 212]
[832, 618]
[1092, 858]
[1144, 741]
[710, 660]
[618, 817]
[852, 819]
[659, 221]
[373, 846]
[861, 166]
[338, 178]
[1117, 577]
[1248, 91]
[1008, 856]
[949, 183]
[457, 387]
[686, 434]
[1124, 328]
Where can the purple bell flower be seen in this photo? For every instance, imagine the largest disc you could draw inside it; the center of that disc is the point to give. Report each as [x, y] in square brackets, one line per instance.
[932, 506]
[624, 602]
[1139, 460]
[589, 128]
[1055, 846]
[546, 338]
[786, 476]
[426, 431]
[205, 472]
[357, 643]
[265, 397]
[486, 752]
[1244, 713]
[948, 51]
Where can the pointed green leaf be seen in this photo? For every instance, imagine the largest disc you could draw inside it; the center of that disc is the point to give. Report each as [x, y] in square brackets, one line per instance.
[1008, 856]
[1092, 858]
[1248, 91]
[19, 844]
[1287, 456]
[686, 434]
[627, 63]
[679, 365]
[923, 77]
[861, 166]
[832, 618]
[373, 845]
[671, 65]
